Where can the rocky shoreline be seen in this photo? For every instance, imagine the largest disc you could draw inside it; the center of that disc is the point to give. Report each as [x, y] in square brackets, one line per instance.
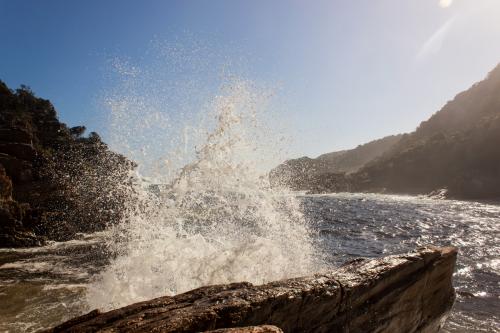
[400, 293]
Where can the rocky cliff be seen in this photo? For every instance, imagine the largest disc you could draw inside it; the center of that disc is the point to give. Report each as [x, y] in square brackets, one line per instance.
[54, 181]
[402, 293]
[456, 149]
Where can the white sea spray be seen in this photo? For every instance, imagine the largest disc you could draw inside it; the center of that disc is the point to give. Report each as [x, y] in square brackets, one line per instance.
[213, 220]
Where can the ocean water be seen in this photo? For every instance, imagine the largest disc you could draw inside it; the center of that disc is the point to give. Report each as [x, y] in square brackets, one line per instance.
[44, 286]
[369, 225]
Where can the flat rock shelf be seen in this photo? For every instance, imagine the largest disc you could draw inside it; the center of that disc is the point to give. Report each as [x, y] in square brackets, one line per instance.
[400, 293]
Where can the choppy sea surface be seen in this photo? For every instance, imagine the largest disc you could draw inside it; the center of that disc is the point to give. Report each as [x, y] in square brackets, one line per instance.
[41, 287]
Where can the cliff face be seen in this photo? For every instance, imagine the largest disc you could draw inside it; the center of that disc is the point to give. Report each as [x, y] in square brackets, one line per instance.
[404, 293]
[55, 182]
[456, 149]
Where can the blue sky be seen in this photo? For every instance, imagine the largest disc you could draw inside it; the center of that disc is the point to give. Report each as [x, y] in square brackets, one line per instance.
[349, 71]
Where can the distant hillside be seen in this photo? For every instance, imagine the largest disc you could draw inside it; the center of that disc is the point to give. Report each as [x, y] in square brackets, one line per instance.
[349, 161]
[298, 173]
[457, 149]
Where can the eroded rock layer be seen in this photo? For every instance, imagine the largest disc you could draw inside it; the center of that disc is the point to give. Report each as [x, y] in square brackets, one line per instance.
[403, 293]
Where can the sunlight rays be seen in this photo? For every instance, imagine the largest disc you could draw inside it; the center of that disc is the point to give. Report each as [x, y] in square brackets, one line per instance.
[445, 3]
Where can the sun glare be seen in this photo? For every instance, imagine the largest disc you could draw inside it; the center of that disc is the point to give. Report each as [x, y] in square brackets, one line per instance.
[445, 3]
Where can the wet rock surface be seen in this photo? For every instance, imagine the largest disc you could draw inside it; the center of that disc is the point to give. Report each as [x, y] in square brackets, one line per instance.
[403, 293]
[249, 329]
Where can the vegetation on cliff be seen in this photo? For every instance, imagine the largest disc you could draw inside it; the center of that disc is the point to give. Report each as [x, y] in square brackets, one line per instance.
[456, 149]
[54, 181]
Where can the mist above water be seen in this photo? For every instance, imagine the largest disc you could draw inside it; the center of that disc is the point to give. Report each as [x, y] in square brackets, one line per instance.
[205, 213]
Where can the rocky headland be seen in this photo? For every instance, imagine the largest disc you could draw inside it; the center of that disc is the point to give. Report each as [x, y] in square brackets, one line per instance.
[311, 173]
[454, 153]
[400, 293]
[54, 181]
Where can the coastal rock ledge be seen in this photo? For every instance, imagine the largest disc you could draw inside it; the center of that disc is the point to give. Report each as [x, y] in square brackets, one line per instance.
[401, 293]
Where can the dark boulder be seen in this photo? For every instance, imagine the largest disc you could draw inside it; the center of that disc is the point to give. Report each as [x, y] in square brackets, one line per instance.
[13, 233]
[22, 151]
[18, 170]
[15, 135]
